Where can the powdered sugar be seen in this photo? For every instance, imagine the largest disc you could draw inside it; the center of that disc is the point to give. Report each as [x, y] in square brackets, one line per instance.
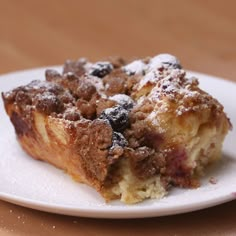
[46, 95]
[122, 99]
[137, 67]
[150, 78]
[165, 60]
[170, 84]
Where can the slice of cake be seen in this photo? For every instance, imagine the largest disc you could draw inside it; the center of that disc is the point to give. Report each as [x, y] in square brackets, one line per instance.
[131, 129]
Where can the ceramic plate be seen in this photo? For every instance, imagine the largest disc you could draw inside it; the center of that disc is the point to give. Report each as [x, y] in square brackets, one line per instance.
[38, 185]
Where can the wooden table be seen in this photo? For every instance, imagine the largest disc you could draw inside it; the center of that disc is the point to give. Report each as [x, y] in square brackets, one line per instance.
[201, 33]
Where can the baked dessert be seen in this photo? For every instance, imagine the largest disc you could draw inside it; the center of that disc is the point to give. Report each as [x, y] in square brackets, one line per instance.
[129, 129]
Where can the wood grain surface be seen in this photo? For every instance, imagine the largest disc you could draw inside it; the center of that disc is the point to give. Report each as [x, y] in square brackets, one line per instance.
[36, 33]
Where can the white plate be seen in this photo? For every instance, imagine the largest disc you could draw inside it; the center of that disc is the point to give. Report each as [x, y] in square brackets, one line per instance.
[38, 185]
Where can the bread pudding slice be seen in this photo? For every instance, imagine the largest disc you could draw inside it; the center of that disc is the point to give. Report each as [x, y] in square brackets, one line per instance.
[131, 130]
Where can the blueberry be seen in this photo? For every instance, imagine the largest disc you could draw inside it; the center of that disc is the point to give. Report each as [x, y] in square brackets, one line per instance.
[101, 69]
[166, 60]
[118, 140]
[117, 116]
[123, 100]
[136, 67]
[117, 147]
